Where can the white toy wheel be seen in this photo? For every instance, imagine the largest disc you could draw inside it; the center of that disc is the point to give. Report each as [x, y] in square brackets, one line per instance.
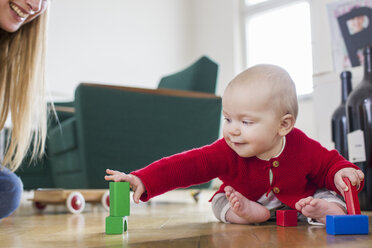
[75, 202]
[105, 200]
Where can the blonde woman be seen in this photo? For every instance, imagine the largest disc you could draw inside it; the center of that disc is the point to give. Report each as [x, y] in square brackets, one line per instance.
[22, 54]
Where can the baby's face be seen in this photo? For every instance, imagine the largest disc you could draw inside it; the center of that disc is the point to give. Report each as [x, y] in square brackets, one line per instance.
[251, 126]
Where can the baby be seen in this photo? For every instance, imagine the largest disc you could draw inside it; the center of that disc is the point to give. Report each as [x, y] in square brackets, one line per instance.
[263, 161]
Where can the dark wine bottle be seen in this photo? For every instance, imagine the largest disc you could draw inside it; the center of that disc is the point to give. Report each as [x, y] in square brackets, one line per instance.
[339, 121]
[359, 116]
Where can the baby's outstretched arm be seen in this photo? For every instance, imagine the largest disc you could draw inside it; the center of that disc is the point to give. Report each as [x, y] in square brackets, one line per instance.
[355, 177]
[134, 181]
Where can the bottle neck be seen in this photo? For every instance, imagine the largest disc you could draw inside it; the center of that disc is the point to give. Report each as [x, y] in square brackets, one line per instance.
[368, 64]
[345, 85]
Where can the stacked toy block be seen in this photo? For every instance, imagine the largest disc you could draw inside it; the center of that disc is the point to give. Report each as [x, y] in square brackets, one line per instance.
[353, 222]
[117, 222]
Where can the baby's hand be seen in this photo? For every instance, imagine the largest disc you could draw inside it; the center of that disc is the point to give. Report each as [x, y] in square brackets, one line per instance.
[134, 181]
[355, 177]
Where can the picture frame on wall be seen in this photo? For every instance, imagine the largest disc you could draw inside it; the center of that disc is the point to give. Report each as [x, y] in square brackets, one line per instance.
[351, 30]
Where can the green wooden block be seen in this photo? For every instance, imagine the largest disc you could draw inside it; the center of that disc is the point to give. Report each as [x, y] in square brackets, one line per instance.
[114, 225]
[119, 199]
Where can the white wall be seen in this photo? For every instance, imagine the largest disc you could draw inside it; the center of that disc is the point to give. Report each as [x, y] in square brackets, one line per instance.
[215, 31]
[135, 43]
[124, 42]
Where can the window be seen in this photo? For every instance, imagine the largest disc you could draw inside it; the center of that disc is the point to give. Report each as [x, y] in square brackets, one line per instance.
[279, 32]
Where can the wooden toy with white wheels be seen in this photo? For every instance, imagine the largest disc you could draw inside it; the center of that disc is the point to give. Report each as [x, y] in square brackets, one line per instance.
[75, 199]
[38, 206]
[105, 200]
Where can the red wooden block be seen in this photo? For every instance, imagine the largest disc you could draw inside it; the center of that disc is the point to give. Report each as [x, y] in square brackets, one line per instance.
[286, 217]
[351, 198]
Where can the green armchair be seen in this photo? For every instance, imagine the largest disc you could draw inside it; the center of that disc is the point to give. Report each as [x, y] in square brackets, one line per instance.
[127, 128]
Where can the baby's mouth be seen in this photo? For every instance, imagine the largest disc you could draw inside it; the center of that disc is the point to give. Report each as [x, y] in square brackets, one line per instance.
[237, 143]
[18, 11]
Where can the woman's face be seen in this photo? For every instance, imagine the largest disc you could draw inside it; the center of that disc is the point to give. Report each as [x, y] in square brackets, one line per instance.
[15, 13]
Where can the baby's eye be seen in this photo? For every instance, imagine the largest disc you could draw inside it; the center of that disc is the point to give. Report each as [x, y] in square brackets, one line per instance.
[247, 122]
[227, 120]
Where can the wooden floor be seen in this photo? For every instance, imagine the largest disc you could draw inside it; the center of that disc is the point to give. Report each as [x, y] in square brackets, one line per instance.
[172, 220]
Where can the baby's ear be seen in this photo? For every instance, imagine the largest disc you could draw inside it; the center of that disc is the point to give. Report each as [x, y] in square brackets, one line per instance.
[286, 124]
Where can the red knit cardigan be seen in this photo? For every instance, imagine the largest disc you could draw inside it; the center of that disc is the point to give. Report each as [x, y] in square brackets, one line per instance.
[303, 167]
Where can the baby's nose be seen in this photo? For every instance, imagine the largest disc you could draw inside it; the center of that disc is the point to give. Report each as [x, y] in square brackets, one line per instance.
[235, 130]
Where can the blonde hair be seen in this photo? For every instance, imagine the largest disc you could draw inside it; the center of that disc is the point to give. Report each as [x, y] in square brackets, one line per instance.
[22, 90]
[277, 81]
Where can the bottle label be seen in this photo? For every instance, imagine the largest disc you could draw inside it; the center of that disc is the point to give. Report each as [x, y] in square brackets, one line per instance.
[357, 151]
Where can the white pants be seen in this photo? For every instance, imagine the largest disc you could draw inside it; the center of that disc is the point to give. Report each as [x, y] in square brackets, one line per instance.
[220, 205]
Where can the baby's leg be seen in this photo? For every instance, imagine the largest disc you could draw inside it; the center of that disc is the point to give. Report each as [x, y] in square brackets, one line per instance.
[244, 211]
[319, 208]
